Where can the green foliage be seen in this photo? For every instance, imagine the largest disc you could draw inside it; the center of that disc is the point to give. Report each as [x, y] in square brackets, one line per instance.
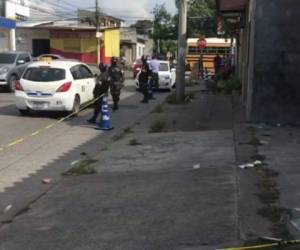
[232, 84]
[84, 167]
[164, 33]
[158, 127]
[143, 27]
[205, 23]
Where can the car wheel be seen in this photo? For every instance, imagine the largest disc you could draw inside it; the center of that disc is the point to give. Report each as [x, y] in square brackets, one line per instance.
[24, 112]
[76, 105]
[12, 83]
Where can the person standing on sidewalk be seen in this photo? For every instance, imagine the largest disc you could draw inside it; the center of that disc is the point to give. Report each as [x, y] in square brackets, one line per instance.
[116, 82]
[144, 79]
[218, 66]
[101, 87]
[154, 67]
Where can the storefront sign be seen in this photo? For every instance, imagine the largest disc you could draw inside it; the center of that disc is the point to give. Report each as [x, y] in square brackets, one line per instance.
[7, 23]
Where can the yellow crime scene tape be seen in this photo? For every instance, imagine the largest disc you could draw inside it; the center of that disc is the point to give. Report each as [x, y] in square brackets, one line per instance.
[269, 245]
[41, 130]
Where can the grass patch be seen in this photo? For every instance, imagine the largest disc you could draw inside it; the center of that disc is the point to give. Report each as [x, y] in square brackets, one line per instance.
[128, 131]
[233, 84]
[255, 142]
[171, 99]
[84, 167]
[134, 142]
[270, 173]
[272, 213]
[157, 127]
[123, 134]
[270, 196]
[258, 157]
[158, 109]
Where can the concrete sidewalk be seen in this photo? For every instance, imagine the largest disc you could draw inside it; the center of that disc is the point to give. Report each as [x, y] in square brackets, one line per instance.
[172, 189]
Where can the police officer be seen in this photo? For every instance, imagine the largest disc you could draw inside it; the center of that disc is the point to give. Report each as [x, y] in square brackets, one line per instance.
[101, 88]
[116, 82]
[144, 79]
[154, 67]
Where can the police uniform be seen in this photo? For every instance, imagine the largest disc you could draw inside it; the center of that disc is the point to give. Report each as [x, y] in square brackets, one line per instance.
[101, 87]
[116, 82]
[143, 81]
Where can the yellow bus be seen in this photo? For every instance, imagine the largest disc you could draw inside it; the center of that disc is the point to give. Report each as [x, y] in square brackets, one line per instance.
[214, 46]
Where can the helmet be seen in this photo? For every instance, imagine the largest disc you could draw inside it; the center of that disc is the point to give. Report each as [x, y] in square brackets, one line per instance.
[102, 67]
[114, 60]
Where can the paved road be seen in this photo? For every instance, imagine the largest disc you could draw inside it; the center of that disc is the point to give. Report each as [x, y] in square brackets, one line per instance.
[168, 191]
[28, 157]
[51, 153]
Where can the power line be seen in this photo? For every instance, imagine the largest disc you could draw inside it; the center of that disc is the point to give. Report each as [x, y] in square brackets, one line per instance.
[59, 6]
[75, 6]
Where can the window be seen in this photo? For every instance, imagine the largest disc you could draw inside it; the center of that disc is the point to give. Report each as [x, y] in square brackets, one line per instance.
[163, 67]
[75, 72]
[7, 58]
[81, 72]
[24, 57]
[85, 72]
[44, 74]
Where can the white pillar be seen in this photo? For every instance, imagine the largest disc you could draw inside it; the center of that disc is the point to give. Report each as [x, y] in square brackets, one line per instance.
[13, 39]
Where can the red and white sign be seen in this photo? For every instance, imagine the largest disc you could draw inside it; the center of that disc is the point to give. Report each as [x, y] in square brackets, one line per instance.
[202, 42]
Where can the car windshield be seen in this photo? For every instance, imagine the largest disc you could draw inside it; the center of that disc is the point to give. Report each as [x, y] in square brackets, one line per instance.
[44, 74]
[7, 58]
[163, 67]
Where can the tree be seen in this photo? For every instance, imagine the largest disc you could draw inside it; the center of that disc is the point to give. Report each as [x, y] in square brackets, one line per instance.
[163, 29]
[143, 27]
[202, 17]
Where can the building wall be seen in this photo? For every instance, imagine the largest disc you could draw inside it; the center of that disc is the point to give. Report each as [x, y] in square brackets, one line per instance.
[140, 47]
[275, 90]
[127, 52]
[24, 38]
[149, 47]
[82, 45]
[112, 43]
[4, 40]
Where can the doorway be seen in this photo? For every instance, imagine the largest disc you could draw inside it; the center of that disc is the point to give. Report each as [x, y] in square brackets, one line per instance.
[40, 46]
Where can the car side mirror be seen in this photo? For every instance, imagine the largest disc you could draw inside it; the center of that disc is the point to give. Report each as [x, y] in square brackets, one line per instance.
[19, 62]
[173, 70]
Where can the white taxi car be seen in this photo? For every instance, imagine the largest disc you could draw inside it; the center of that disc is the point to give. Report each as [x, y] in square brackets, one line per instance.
[57, 85]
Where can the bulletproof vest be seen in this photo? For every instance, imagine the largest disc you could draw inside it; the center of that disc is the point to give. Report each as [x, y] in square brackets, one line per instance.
[115, 74]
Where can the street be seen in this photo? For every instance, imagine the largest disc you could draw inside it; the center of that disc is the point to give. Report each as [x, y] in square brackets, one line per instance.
[204, 156]
[132, 200]
[22, 160]
[51, 152]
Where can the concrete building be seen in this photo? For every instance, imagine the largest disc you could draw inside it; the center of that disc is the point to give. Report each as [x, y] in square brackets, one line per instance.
[134, 45]
[10, 12]
[70, 39]
[6, 29]
[268, 56]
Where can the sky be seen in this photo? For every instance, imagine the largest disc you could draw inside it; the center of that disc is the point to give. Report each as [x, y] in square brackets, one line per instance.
[131, 8]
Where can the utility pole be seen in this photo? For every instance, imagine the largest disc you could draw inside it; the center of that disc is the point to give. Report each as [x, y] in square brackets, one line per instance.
[98, 34]
[182, 30]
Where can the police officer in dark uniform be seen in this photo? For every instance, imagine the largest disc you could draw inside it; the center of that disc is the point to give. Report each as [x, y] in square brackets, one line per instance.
[116, 82]
[144, 79]
[101, 87]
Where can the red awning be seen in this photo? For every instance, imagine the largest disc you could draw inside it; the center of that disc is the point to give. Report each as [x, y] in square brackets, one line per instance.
[232, 5]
